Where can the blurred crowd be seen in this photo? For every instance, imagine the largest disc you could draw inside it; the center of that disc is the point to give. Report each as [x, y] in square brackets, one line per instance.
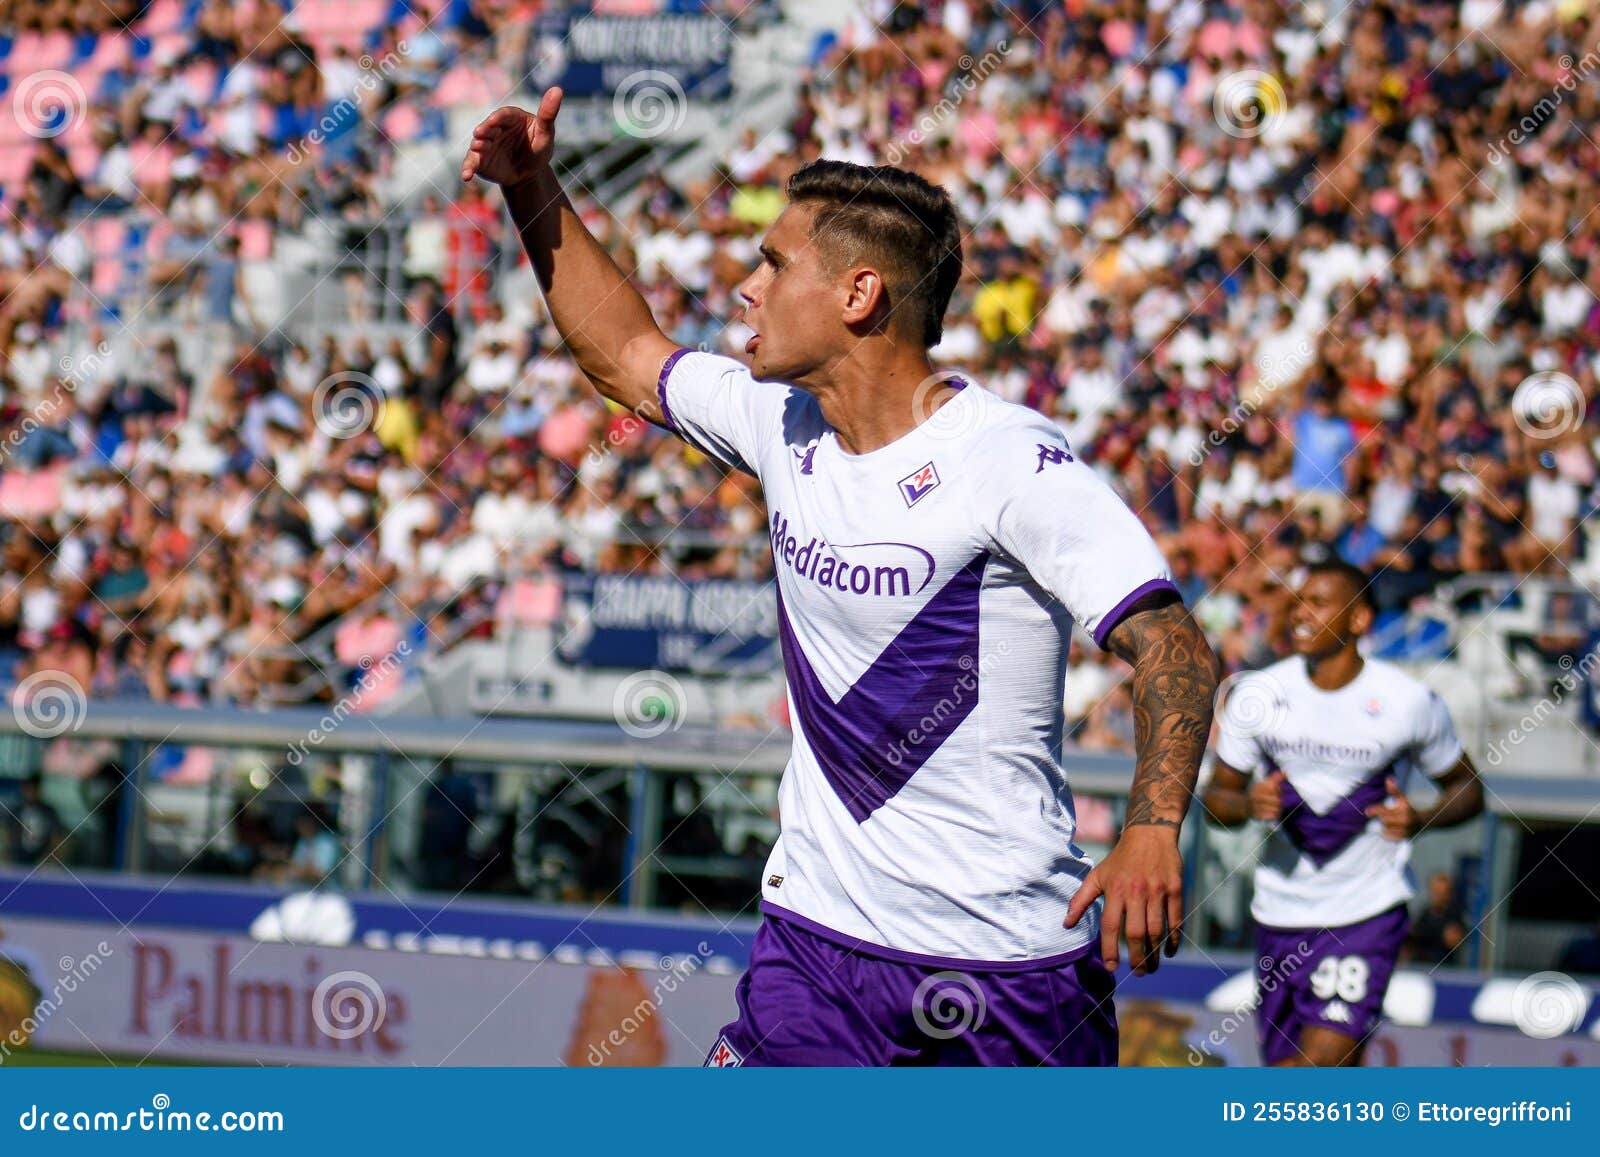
[1297, 278]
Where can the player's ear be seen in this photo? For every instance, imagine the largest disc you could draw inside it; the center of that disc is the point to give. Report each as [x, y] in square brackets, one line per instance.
[1361, 619]
[865, 295]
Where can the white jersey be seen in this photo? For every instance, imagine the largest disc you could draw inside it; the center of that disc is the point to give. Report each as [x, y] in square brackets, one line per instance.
[1328, 864]
[927, 592]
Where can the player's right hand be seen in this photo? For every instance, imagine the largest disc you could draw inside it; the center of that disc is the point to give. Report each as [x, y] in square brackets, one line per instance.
[512, 145]
[1266, 798]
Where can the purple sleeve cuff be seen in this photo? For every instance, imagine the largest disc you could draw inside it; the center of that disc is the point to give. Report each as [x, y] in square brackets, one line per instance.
[1120, 611]
[661, 390]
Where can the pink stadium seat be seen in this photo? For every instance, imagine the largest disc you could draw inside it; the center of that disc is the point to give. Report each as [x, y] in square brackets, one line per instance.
[201, 80]
[365, 639]
[79, 131]
[379, 685]
[30, 494]
[89, 74]
[152, 166]
[14, 165]
[163, 16]
[530, 602]
[107, 235]
[1118, 37]
[83, 156]
[255, 239]
[197, 767]
[109, 52]
[402, 123]
[156, 243]
[36, 52]
[462, 85]
[173, 44]
[106, 278]
[54, 51]
[368, 14]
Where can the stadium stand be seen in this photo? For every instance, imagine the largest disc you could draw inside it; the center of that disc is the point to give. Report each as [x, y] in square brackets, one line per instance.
[281, 407]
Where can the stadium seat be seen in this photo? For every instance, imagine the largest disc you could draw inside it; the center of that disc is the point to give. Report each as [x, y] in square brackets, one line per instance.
[163, 16]
[83, 155]
[41, 52]
[110, 52]
[529, 602]
[14, 164]
[369, 639]
[255, 239]
[463, 85]
[171, 45]
[402, 122]
[30, 494]
[106, 279]
[203, 79]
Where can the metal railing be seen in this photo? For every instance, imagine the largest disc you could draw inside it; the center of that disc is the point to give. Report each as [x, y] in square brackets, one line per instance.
[386, 767]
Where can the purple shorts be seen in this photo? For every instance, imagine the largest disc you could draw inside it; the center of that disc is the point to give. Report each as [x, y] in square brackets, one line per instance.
[1329, 977]
[807, 999]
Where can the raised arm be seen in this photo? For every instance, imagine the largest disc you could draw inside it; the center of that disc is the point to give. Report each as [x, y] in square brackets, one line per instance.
[1174, 680]
[603, 320]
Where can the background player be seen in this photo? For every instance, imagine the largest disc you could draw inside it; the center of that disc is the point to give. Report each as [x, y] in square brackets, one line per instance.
[933, 547]
[1328, 738]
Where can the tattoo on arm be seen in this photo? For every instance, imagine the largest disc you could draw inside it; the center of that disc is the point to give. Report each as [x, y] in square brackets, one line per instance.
[1174, 682]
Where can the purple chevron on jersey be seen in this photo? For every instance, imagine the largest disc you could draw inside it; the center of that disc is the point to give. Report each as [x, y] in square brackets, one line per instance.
[873, 740]
[1322, 837]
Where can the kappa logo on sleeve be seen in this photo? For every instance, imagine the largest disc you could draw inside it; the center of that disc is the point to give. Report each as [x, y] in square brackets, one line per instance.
[723, 1056]
[1052, 456]
[917, 485]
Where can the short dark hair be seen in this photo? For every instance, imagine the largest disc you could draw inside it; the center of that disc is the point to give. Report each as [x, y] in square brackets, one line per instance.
[1354, 576]
[894, 219]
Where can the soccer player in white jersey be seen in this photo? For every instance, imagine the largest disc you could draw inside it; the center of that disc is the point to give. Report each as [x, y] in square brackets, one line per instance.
[1320, 746]
[933, 545]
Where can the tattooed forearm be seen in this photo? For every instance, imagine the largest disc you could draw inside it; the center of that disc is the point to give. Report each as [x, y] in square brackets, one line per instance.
[1174, 680]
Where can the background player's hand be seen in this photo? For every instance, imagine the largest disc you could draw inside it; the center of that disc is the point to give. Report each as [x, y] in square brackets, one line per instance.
[1399, 818]
[511, 145]
[1266, 798]
[1142, 881]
